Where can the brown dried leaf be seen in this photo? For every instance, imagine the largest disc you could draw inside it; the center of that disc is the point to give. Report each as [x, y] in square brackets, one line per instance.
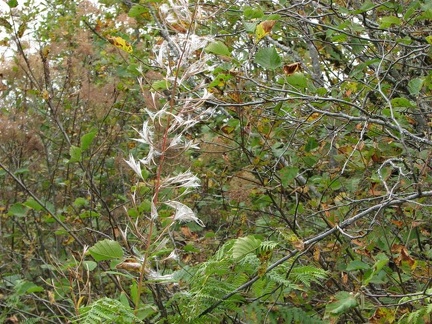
[268, 25]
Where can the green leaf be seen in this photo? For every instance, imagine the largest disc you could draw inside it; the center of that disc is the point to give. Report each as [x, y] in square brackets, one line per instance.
[343, 303]
[297, 80]
[311, 144]
[33, 204]
[18, 210]
[26, 287]
[80, 202]
[136, 11]
[12, 3]
[218, 48]
[160, 85]
[401, 102]
[245, 245]
[357, 265]
[87, 139]
[388, 21]
[89, 265]
[252, 13]
[382, 260]
[75, 154]
[22, 171]
[106, 250]
[268, 58]
[250, 26]
[287, 174]
[415, 85]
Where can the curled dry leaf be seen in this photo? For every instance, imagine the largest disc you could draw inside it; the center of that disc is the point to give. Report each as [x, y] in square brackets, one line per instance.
[292, 68]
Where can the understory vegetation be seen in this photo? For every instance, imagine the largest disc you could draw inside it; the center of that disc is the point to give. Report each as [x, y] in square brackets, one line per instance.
[174, 161]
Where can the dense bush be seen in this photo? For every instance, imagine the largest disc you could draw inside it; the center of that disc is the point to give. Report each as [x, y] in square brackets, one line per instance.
[215, 162]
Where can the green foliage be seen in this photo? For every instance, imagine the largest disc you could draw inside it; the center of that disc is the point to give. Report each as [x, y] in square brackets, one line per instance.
[268, 58]
[106, 310]
[307, 201]
[106, 250]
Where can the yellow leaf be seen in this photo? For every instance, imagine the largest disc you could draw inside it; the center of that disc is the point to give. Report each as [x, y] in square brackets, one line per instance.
[120, 43]
[263, 29]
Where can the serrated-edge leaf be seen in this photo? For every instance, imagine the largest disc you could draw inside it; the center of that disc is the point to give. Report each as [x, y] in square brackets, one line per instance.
[287, 174]
[106, 250]
[33, 204]
[87, 139]
[344, 302]
[75, 153]
[415, 85]
[12, 3]
[89, 265]
[250, 26]
[268, 58]
[357, 265]
[297, 80]
[218, 48]
[18, 210]
[388, 21]
[136, 10]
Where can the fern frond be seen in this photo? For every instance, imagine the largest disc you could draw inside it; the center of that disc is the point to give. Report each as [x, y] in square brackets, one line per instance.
[245, 245]
[307, 275]
[267, 246]
[106, 310]
[279, 278]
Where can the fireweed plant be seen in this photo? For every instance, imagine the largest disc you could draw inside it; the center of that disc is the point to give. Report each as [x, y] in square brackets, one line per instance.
[164, 136]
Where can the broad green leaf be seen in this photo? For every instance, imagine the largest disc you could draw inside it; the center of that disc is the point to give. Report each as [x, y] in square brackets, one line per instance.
[288, 174]
[136, 11]
[245, 245]
[388, 21]
[80, 202]
[401, 102]
[12, 3]
[250, 26]
[218, 48]
[297, 80]
[415, 85]
[252, 13]
[311, 144]
[26, 287]
[357, 265]
[33, 204]
[18, 210]
[268, 58]
[22, 171]
[75, 154]
[89, 265]
[344, 301]
[382, 260]
[106, 250]
[87, 139]
[161, 85]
